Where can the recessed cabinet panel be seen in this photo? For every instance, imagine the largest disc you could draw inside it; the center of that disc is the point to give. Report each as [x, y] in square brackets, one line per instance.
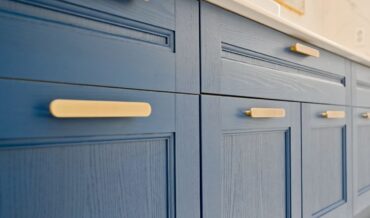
[363, 150]
[251, 166]
[243, 58]
[361, 160]
[325, 162]
[123, 178]
[128, 44]
[254, 174]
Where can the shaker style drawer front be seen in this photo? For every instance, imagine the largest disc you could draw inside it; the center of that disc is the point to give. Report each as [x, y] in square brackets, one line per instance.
[88, 152]
[243, 58]
[250, 158]
[360, 85]
[361, 160]
[326, 161]
[27, 110]
[129, 44]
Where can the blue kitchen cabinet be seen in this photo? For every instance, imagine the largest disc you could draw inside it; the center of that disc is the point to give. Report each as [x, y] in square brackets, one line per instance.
[250, 166]
[150, 45]
[361, 160]
[241, 57]
[144, 167]
[326, 161]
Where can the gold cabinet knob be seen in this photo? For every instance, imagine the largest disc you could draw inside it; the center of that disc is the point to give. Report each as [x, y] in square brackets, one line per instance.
[366, 115]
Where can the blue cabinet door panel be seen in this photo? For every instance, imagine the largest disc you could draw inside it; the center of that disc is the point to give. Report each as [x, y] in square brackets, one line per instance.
[361, 161]
[97, 167]
[250, 167]
[326, 162]
[102, 43]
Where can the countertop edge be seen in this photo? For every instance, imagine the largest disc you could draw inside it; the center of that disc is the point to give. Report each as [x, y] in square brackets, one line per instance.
[267, 18]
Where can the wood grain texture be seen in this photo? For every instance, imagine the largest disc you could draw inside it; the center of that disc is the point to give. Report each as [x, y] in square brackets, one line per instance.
[326, 163]
[187, 157]
[250, 167]
[361, 179]
[363, 136]
[187, 46]
[243, 58]
[88, 43]
[25, 112]
[254, 175]
[94, 179]
[360, 85]
[159, 13]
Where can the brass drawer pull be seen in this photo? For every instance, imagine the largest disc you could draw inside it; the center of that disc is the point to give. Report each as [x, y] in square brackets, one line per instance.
[66, 108]
[265, 112]
[306, 50]
[334, 114]
[366, 115]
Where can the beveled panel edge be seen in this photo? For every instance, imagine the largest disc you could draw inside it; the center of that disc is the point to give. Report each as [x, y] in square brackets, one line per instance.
[101, 22]
[307, 71]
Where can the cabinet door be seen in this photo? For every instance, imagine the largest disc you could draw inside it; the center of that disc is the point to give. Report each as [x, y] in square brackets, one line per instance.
[93, 168]
[250, 166]
[326, 161]
[361, 159]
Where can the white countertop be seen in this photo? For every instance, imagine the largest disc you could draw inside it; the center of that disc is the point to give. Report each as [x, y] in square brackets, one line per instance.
[267, 17]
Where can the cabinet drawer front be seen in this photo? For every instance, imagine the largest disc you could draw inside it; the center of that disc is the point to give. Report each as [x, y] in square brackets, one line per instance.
[251, 166]
[326, 162]
[361, 153]
[109, 43]
[241, 57]
[25, 111]
[361, 85]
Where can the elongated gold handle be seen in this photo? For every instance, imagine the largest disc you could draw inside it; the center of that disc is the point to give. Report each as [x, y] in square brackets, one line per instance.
[366, 115]
[265, 112]
[306, 50]
[333, 114]
[66, 108]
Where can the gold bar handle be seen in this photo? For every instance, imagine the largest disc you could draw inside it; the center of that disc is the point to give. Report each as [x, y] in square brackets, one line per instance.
[265, 112]
[304, 49]
[366, 115]
[333, 114]
[66, 108]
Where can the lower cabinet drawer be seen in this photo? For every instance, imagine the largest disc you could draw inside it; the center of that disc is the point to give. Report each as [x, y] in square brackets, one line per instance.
[250, 166]
[241, 57]
[326, 161]
[361, 158]
[360, 85]
[97, 167]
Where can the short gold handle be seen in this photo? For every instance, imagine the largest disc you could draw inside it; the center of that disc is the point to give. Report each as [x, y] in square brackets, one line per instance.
[366, 115]
[66, 108]
[306, 50]
[265, 112]
[333, 114]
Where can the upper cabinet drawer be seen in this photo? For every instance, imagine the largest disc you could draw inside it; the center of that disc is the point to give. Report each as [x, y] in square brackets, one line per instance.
[129, 44]
[360, 85]
[241, 57]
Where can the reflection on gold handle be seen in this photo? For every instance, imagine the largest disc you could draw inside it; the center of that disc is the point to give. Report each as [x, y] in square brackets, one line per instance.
[334, 114]
[366, 115]
[306, 50]
[66, 108]
[265, 112]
